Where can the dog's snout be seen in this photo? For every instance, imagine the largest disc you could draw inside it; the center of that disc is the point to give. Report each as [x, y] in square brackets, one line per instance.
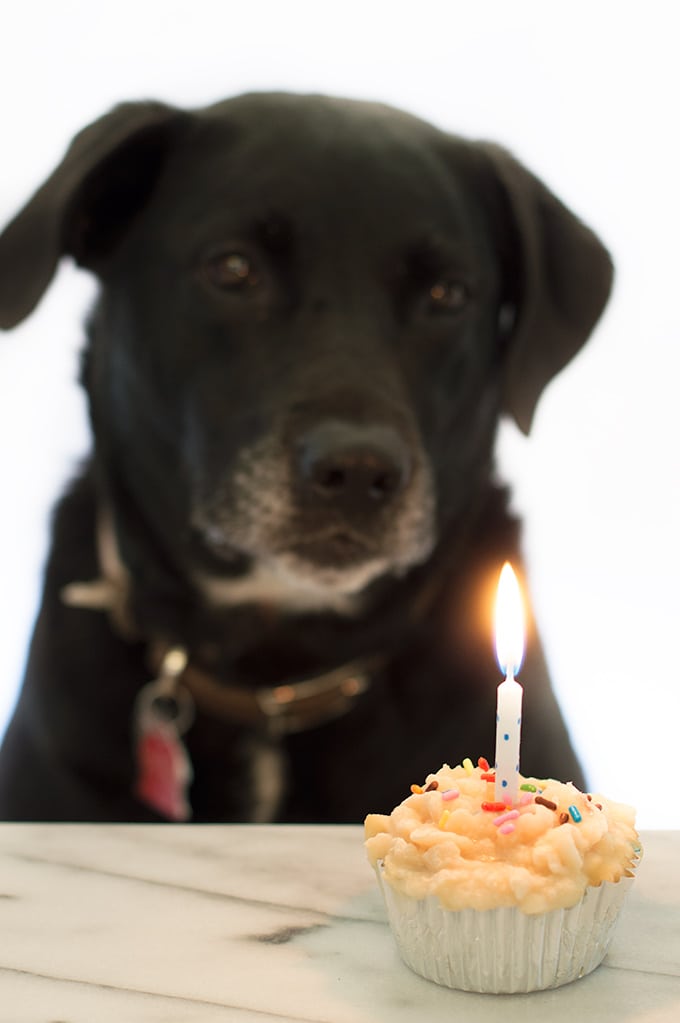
[356, 466]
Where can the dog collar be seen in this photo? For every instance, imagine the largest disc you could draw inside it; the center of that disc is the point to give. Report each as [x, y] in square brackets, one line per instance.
[293, 705]
[164, 710]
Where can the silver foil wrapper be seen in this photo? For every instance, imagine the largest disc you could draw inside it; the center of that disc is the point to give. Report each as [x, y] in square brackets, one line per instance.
[503, 950]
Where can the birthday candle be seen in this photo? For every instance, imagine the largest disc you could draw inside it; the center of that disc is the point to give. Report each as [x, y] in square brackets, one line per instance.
[509, 651]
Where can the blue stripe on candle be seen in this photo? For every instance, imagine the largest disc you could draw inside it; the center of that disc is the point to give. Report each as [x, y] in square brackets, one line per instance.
[506, 736]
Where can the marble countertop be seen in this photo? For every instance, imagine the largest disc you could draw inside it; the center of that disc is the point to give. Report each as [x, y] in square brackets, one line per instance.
[157, 924]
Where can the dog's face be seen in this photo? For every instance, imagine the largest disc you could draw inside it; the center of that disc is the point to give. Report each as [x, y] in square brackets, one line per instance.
[310, 307]
[300, 352]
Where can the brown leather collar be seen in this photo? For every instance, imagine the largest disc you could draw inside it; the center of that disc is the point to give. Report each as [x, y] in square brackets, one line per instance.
[292, 706]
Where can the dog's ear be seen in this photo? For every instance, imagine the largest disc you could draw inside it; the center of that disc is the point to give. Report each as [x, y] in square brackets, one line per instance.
[564, 276]
[108, 172]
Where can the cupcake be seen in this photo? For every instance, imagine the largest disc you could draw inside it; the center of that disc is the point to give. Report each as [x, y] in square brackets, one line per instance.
[487, 897]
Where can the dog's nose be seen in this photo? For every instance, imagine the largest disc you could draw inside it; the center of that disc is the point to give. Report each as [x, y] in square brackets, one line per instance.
[359, 467]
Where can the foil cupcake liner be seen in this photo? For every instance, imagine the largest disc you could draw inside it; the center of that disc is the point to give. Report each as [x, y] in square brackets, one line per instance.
[503, 951]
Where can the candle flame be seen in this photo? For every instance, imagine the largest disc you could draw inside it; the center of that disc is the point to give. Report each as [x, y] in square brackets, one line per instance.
[509, 622]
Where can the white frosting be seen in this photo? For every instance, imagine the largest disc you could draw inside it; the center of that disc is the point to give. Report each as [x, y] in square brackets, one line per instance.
[453, 848]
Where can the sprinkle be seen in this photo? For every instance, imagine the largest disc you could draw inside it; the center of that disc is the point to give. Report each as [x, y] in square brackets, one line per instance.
[589, 798]
[527, 787]
[506, 829]
[525, 798]
[511, 815]
[483, 763]
[564, 817]
[488, 776]
[575, 815]
[432, 786]
[546, 802]
[494, 807]
[450, 794]
[443, 819]
[417, 790]
[598, 805]
[467, 764]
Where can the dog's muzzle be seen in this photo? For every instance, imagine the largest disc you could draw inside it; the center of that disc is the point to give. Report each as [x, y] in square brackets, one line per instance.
[328, 502]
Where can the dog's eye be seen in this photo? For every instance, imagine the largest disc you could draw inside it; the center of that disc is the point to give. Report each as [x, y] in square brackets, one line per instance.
[231, 271]
[448, 296]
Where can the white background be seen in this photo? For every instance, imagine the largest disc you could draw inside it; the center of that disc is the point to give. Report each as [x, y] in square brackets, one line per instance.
[587, 95]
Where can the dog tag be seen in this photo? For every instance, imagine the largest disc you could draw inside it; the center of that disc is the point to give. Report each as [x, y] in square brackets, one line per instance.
[163, 712]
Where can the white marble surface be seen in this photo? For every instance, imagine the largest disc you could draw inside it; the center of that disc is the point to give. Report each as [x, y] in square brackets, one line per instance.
[157, 924]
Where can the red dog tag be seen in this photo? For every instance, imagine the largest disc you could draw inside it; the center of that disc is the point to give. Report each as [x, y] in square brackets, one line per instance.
[164, 771]
[163, 712]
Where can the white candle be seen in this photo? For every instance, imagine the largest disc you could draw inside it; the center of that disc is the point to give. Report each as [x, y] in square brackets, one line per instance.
[509, 651]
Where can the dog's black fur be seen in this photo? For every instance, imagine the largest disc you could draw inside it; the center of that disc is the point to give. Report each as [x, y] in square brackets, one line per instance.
[312, 314]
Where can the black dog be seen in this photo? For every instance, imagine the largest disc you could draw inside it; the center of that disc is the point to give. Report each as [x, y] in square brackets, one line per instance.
[312, 314]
